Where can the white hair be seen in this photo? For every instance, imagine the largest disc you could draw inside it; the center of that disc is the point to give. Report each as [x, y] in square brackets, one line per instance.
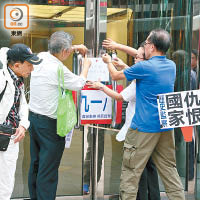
[58, 41]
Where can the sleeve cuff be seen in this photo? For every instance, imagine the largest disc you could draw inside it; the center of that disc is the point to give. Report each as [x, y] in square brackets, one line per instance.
[25, 124]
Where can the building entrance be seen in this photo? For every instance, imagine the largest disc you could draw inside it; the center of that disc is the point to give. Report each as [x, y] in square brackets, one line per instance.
[91, 167]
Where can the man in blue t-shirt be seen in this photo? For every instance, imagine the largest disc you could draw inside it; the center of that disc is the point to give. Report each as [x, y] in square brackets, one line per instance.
[145, 138]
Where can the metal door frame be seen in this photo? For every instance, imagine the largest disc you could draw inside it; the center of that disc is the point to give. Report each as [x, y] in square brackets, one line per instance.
[94, 34]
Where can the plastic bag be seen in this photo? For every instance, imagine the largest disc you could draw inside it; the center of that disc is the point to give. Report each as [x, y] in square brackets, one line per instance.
[66, 110]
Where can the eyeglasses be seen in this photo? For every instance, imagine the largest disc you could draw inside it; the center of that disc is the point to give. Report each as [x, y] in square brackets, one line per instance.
[145, 43]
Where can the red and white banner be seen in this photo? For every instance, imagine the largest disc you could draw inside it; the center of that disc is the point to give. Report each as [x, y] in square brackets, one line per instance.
[96, 106]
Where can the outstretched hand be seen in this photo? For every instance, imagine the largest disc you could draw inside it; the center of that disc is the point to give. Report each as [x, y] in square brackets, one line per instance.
[109, 44]
[95, 84]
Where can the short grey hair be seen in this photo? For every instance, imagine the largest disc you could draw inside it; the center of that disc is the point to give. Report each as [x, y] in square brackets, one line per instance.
[58, 41]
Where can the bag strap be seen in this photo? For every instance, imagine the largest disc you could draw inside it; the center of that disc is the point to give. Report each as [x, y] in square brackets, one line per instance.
[1, 95]
[61, 79]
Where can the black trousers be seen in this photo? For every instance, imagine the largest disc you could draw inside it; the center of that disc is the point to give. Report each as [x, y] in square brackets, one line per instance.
[148, 185]
[46, 149]
[191, 160]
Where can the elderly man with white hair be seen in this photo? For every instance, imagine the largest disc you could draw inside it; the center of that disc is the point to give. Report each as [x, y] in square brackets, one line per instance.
[46, 147]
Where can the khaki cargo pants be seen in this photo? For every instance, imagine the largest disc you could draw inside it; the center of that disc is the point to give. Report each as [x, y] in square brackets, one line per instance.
[138, 147]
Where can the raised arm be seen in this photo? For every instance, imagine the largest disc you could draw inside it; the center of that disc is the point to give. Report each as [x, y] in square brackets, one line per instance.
[110, 44]
[119, 64]
[105, 89]
[86, 66]
[115, 75]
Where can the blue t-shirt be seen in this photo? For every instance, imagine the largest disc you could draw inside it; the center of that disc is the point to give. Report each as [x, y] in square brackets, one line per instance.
[154, 76]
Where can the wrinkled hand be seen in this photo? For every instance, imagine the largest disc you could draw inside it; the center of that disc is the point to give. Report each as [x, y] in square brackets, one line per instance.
[95, 84]
[81, 48]
[87, 62]
[106, 58]
[20, 133]
[109, 44]
[117, 62]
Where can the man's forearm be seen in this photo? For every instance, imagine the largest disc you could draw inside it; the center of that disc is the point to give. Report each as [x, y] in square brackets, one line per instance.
[129, 50]
[84, 72]
[115, 75]
[115, 95]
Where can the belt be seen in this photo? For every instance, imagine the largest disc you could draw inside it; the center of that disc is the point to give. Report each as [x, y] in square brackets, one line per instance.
[41, 116]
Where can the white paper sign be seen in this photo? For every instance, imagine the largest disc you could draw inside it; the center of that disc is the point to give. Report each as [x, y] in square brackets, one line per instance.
[68, 139]
[95, 105]
[179, 109]
[98, 70]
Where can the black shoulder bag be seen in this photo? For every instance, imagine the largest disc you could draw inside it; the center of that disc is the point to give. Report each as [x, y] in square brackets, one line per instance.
[5, 131]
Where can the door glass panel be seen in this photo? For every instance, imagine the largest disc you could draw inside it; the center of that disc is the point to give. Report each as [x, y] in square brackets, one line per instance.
[70, 170]
[112, 163]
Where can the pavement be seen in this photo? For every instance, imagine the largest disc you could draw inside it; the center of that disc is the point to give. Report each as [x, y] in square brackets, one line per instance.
[163, 197]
